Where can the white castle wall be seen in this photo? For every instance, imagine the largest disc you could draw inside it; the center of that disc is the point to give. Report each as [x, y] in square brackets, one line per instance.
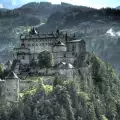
[12, 90]
[24, 58]
[37, 46]
[58, 57]
[67, 74]
[2, 88]
[24, 85]
[59, 49]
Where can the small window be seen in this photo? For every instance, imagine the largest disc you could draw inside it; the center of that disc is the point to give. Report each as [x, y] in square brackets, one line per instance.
[9, 94]
[23, 57]
[32, 44]
[65, 55]
[76, 55]
[73, 48]
[82, 57]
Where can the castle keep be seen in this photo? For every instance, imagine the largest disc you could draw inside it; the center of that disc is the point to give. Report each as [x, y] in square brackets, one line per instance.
[63, 47]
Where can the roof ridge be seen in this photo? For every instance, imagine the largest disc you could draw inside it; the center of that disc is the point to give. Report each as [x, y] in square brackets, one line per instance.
[12, 75]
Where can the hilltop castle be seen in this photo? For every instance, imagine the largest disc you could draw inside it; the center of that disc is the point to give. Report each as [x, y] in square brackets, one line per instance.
[65, 49]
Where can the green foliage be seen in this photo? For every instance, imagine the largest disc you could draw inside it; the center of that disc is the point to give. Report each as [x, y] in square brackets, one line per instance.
[104, 117]
[1, 71]
[33, 89]
[98, 68]
[45, 59]
[84, 96]
[63, 98]
[111, 71]
[48, 88]
[57, 80]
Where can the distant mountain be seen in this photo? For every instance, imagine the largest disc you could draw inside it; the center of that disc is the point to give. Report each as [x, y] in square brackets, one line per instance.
[3, 9]
[118, 7]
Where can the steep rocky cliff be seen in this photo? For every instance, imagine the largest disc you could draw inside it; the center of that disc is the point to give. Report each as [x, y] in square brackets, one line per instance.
[93, 94]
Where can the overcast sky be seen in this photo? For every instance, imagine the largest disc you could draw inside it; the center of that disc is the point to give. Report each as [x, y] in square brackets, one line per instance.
[91, 3]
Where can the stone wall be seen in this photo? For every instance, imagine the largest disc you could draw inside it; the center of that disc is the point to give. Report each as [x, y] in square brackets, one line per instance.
[12, 90]
[25, 84]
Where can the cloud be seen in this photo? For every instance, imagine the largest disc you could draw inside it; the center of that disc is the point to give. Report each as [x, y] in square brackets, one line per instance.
[13, 2]
[113, 33]
[1, 6]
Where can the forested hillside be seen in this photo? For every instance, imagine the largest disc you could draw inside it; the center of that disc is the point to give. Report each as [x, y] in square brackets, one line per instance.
[93, 94]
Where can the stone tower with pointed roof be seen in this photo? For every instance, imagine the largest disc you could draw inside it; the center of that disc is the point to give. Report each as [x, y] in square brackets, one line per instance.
[12, 88]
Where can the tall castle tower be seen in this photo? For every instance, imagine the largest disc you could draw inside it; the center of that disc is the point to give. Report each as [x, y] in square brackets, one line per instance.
[12, 88]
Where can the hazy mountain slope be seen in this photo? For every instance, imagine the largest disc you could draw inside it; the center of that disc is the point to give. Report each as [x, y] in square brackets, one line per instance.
[99, 28]
[118, 7]
[14, 22]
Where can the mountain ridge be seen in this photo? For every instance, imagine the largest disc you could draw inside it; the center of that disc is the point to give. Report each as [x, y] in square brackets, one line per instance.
[118, 7]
